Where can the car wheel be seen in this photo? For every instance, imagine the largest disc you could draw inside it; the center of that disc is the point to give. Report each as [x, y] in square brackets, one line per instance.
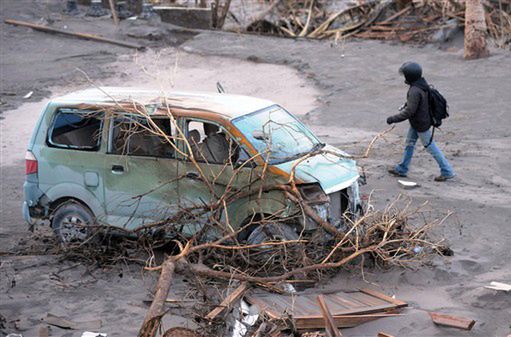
[272, 232]
[71, 222]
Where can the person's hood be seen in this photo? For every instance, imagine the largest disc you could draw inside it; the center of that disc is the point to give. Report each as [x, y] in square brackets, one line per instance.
[421, 83]
[333, 172]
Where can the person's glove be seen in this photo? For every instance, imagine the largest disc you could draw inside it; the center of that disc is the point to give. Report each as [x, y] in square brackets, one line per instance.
[390, 120]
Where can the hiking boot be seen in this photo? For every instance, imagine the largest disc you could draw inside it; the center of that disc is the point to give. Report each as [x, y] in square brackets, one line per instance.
[443, 178]
[395, 173]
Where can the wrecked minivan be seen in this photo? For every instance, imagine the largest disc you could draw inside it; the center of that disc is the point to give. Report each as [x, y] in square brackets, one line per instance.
[132, 158]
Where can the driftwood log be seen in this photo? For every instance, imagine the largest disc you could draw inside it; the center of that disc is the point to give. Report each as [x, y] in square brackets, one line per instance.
[157, 309]
[475, 31]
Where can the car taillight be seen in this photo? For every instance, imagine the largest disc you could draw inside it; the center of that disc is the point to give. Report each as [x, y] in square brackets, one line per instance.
[30, 163]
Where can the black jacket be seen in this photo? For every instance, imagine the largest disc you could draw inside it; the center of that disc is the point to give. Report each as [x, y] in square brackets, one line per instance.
[417, 107]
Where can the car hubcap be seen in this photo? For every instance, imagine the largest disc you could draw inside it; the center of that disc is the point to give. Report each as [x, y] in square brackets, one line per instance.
[73, 228]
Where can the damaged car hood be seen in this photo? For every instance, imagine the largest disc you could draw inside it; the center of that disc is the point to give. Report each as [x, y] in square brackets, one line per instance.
[332, 172]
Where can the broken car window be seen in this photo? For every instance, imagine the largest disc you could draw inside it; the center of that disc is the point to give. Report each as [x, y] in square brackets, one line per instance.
[275, 130]
[138, 137]
[76, 129]
[210, 143]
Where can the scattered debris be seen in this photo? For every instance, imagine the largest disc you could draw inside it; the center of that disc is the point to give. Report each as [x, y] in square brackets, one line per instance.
[248, 318]
[226, 303]
[348, 308]
[93, 334]
[85, 36]
[452, 321]
[330, 326]
[65, 323]
[28, 95]
[181, 332]
[407, 185]
[417, 21]
[499, 286]
[383, 334]
[198, 18]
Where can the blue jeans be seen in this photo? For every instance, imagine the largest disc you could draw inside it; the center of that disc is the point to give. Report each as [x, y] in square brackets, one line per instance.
[411, 139]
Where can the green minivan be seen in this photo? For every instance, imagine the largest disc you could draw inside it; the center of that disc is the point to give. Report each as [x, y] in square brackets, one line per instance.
[129, 158]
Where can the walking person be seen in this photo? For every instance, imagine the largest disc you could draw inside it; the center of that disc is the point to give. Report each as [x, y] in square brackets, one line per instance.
[416, 110]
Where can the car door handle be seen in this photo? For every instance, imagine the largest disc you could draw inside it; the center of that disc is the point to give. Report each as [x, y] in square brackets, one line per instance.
[117, 169]
[192, 175]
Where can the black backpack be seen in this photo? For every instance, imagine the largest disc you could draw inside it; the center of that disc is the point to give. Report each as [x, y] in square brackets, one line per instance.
[438, 108]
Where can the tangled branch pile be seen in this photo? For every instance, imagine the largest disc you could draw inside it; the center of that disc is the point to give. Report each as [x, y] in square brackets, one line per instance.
[403, 20]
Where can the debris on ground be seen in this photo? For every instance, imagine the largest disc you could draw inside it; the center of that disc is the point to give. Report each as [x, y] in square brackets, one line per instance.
[407, 185]
[383, 334]
[452, 321]
[227, 302]
[93, 334]
[499, 286]
[85, 36]
[416, 21]
[348, 308]
[66, 323]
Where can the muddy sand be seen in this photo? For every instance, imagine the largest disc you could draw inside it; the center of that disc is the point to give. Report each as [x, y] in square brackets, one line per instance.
[343, 92]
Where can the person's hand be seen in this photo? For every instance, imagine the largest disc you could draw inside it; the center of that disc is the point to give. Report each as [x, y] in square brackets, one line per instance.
[390, 120]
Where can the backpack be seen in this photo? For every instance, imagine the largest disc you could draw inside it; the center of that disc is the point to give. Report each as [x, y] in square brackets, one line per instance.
[438, 108]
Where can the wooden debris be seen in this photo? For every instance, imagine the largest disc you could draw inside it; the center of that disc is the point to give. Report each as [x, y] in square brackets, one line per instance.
[330, 326]
[452, 321]
[383, 334]
[85, 36]
[114, 12]
[156, 310]
[348, 308]
[226, 303]
[404, 20]
[499, 286]
[181, 332]
[475, 31]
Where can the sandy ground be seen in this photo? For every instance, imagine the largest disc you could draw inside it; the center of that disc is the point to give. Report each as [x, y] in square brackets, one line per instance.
[344, 92]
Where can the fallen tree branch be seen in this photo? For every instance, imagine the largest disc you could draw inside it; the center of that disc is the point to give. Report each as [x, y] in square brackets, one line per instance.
[156, 310]
[85, 36]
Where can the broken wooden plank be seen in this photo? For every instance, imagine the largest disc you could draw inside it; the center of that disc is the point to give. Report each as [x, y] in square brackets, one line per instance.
[348, 308]
[452, 321]
[234, 296]
[499, 286]
[330, 326]
[85, 36]
[344, 321]
[398, 303]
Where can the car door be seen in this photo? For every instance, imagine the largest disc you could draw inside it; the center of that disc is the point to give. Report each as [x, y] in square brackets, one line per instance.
[71, 157]
[204, 182]
[140, 171]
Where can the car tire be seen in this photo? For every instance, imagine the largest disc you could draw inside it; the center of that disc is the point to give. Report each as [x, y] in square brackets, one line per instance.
[272, 232]
[71, 221]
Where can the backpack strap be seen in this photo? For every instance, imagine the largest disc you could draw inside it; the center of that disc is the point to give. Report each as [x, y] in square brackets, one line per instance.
[431, 139]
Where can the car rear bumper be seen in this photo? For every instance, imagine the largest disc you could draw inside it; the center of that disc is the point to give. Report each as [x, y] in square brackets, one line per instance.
[26, 213]
[32, 201]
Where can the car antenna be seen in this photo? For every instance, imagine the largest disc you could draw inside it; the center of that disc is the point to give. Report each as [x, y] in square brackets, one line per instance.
[220, 88]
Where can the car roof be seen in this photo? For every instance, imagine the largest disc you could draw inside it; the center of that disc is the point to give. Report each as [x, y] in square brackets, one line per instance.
[230, 106]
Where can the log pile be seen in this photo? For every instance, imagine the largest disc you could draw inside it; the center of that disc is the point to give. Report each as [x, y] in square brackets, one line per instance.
[414, 21]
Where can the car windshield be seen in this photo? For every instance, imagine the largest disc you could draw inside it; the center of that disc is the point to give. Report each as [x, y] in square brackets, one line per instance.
[276, 131]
